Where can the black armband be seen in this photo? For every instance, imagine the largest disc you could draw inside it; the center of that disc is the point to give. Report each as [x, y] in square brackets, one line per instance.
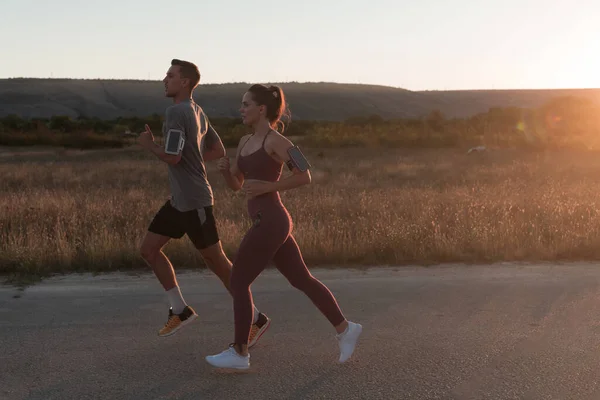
[175, 141]
[297, 159]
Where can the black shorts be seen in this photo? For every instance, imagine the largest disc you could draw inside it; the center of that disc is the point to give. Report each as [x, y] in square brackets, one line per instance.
[199, 225]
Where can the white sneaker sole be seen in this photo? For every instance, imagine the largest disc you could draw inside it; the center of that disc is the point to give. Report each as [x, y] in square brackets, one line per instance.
[209, 359]
[184, 323]
[228, 367]
[359, 330]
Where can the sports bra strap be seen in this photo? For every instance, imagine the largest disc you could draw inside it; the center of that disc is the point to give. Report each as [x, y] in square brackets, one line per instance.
[265, 138]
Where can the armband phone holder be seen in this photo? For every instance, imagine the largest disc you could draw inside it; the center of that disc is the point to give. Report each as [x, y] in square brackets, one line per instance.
[297, 159]
[175, 141]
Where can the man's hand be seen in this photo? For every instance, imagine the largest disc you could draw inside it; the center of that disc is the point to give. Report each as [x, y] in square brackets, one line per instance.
[146, 138]
[223, 165]
[255, 187]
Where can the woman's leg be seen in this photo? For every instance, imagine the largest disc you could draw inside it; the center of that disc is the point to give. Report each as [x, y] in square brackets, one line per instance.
[288, 260]
[256, 250]
[253, 256]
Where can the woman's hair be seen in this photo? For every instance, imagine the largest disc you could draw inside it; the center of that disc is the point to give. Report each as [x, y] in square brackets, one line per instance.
[273, 98]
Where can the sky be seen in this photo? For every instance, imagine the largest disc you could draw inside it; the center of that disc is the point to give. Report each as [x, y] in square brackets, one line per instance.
[416, 44]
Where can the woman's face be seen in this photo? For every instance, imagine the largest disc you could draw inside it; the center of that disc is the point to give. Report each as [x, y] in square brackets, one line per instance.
[251, 112]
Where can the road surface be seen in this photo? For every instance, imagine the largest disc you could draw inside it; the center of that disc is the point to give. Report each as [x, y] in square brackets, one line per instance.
[449, 332]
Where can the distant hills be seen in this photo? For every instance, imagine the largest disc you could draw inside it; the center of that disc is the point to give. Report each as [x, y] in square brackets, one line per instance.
[109, 99]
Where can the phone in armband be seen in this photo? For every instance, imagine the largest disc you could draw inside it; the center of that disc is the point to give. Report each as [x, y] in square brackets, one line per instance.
[297, 159]
[175, 141]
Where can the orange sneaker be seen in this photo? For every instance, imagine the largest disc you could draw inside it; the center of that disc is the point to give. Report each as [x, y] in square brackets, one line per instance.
[177, 321]
[258, 329]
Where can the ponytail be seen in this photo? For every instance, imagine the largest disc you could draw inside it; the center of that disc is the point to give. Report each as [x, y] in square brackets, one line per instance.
[274, 99]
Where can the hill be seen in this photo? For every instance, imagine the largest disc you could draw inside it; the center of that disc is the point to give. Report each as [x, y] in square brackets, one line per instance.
[109, 99]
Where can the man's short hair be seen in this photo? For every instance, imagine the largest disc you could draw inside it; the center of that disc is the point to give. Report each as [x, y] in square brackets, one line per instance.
[188, 70]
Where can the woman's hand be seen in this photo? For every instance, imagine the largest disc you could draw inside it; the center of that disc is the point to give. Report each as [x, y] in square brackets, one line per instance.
[255, 187]
[223, 165]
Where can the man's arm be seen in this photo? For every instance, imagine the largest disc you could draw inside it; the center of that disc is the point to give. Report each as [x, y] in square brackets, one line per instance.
[159, 152]
[173, 121]
[212, 146]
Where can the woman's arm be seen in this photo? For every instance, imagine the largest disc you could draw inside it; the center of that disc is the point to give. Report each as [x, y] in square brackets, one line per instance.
[233, 176]
[277, 146]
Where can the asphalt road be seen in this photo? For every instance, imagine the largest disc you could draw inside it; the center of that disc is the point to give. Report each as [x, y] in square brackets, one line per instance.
[451, 332]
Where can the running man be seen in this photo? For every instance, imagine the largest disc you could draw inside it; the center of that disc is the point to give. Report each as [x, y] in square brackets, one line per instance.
[189, 210]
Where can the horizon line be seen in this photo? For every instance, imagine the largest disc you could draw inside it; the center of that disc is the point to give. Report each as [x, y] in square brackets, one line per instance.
[301, 82]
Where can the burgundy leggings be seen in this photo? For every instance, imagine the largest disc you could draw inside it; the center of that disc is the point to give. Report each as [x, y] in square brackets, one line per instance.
[270, 239]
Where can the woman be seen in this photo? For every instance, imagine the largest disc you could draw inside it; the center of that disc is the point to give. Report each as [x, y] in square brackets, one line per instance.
[257, 168]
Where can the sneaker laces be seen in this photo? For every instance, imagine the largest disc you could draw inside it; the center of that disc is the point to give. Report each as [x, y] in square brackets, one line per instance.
[254, 330]
[172, 322]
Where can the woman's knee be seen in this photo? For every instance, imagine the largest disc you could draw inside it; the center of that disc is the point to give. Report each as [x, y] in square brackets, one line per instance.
[303, 282]
[238, 283]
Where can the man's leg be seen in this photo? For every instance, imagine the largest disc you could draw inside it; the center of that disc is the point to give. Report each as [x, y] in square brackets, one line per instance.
[151, 252]
[161, 230]
[216, 260]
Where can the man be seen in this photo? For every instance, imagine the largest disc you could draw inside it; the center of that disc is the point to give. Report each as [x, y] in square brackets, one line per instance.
[190, 208]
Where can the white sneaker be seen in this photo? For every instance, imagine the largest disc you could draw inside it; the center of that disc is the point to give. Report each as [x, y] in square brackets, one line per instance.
[229, 359]
[347, 340]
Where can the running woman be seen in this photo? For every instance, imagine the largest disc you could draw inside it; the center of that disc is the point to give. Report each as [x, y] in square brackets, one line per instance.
[257, 170]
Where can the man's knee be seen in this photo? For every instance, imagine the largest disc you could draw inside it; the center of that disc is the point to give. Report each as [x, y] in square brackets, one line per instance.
[214, 255]
[151, 247]
[149, 253]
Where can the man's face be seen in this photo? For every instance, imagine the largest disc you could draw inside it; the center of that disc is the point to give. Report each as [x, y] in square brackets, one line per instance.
[173, 81]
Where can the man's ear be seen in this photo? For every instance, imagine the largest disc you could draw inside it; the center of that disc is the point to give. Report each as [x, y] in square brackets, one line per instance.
[185, 82]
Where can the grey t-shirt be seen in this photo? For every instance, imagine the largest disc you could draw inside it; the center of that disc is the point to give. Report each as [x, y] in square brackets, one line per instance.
[189, 184]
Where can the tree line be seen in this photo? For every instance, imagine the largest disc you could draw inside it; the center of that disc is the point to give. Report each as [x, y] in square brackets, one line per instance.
[564, 122]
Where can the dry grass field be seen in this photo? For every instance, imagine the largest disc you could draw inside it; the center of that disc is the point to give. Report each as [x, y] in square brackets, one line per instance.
[72, 211]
